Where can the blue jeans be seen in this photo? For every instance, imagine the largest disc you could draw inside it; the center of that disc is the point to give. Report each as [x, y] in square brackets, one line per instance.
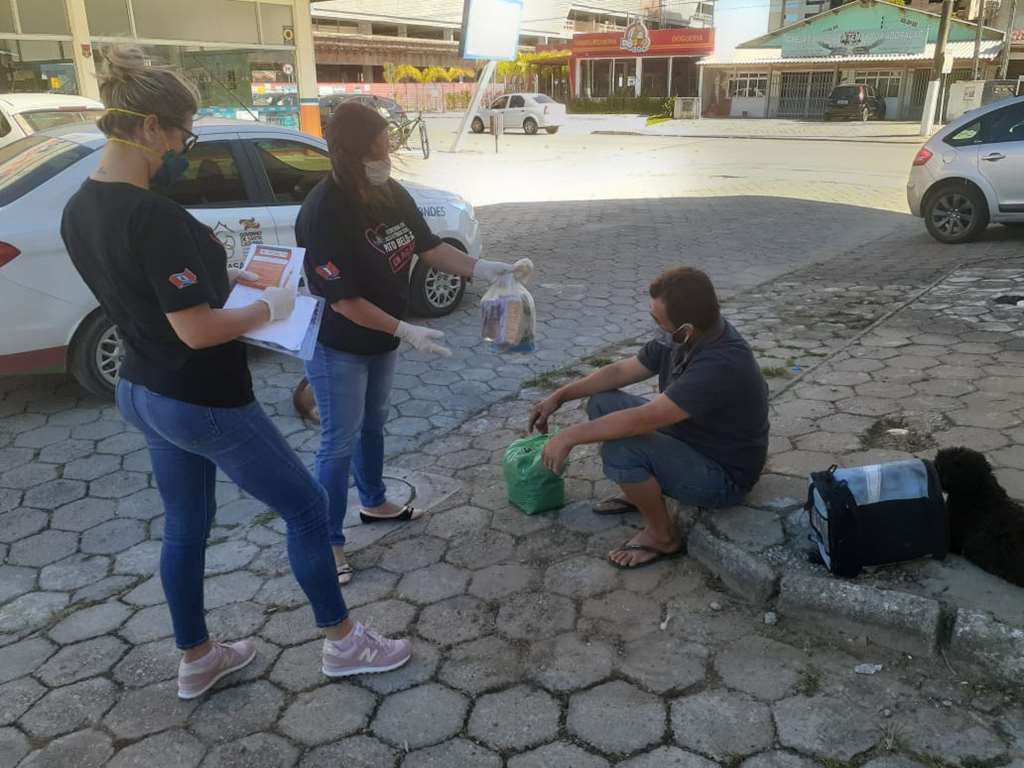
[187, 443]
[352, 393]
[683, 473]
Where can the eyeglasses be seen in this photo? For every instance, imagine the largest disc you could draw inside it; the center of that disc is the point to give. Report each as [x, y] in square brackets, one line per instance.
[190, 138]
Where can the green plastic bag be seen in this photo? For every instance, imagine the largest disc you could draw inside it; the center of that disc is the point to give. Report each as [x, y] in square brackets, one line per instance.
[531, 486]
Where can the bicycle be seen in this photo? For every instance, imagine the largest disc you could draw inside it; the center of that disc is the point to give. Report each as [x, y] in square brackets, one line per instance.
[401, 131]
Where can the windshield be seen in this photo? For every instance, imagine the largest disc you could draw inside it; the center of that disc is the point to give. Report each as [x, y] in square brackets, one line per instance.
[27, 163]
[40, 120]
[846, 92]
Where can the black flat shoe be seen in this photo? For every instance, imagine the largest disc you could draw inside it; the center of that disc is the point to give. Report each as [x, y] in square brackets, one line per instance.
[408, 513]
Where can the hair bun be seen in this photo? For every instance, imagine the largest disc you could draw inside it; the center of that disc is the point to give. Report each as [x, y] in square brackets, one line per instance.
[124, 62]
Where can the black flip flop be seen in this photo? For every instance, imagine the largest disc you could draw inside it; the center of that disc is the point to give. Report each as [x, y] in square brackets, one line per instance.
[613, 506]
[659, 555]
[406, 514]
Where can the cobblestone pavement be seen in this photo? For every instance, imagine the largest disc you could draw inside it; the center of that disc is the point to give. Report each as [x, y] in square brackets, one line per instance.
[530, 650]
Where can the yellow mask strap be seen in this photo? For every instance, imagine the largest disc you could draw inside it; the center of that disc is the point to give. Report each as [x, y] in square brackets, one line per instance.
[117, 140]
[127, 112]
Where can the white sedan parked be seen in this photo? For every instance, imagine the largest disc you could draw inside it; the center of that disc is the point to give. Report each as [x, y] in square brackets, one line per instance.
[529, 111]
[22, 114]
[245, 180]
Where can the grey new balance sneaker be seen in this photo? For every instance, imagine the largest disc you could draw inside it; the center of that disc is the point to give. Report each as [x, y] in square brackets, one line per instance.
[197, 677]
[364, 652]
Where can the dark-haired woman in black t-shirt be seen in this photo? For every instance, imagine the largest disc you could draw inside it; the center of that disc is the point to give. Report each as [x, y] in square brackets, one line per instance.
[361, 230]
[161, 276]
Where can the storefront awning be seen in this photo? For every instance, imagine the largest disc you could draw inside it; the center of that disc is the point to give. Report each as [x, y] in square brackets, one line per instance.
[747, 56]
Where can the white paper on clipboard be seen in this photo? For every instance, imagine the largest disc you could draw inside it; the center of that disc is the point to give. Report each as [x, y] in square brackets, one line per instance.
[296, 334]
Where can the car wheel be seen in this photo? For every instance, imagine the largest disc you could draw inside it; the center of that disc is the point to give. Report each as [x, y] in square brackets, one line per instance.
[553, 130]
[530, 126]
[477, 125]
[434, 293]
[955, 213]
[96, 354]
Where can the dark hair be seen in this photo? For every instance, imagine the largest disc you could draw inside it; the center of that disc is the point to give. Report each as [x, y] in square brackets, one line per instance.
[132, 83]
[689, 297]
[351, 131]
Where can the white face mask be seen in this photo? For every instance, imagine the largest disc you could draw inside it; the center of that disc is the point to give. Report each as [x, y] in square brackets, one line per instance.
[667, 338]
[378, 171]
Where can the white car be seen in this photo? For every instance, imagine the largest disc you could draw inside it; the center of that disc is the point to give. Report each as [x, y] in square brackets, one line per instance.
[22, 114]
[245, 180]
[971, 173]
[529, 111]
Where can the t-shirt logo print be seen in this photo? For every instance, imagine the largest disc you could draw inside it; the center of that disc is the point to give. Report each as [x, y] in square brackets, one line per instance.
[183, 279]
[328, 271]
[396, 242]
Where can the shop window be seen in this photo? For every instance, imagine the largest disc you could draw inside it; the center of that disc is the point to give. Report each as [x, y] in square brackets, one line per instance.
[6, 18]
[293, 168]
[748, 85]
[108, 18]
[655, 78]
[624, 78]
[34, 66]
[212, 178]
[43, 17]
[684, 77]
[885, 83]
[275, 19]
[190, 20]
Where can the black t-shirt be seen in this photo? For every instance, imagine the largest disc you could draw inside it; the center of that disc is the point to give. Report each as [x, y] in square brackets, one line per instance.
[720, 385]
[351, 255]
[144, 256]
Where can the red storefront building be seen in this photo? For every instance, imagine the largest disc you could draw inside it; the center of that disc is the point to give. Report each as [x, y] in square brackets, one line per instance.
[638, 62]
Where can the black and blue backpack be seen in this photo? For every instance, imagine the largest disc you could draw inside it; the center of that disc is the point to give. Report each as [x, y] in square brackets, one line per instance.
[877, 515]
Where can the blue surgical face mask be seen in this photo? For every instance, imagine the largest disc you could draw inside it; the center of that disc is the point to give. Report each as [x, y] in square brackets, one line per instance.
[172, 167]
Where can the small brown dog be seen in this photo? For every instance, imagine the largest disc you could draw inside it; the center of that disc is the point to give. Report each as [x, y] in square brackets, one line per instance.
[986, 526]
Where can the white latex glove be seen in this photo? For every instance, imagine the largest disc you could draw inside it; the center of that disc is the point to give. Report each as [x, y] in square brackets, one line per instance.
[234, 275]
[280, 301]
[423, 339]
[490, 271]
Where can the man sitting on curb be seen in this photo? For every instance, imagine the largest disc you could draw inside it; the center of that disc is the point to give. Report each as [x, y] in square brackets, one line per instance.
[703, 441]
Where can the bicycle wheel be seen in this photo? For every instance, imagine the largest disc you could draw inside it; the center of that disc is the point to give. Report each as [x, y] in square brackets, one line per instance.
[424, 140]
[395, 135]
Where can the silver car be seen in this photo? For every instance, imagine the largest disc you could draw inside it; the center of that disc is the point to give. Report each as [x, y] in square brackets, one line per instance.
[971, 173]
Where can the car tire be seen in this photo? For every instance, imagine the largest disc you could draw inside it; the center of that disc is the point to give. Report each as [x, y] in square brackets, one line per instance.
[553, 130]
[433, 293]
[477, 126]
[95, 354]
[955, 213]
[530, 126]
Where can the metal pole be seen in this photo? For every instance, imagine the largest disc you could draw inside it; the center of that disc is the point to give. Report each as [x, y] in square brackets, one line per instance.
[979, 22]
[1008, 41]
[931, 100]
[474, 104]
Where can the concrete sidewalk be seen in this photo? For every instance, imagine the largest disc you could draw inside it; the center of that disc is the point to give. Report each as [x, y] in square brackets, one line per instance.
[885, 132]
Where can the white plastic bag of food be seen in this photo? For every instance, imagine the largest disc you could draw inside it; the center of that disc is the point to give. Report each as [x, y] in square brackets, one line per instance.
[509, 316]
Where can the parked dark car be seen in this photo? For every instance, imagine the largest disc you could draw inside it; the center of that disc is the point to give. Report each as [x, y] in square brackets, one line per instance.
[389, 108]
[854, 102]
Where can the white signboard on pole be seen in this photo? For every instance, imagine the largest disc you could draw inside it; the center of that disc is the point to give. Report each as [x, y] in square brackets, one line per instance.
[490, 29]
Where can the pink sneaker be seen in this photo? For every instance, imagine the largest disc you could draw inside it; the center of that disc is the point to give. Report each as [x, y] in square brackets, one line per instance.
[197, 677]
[364, 652]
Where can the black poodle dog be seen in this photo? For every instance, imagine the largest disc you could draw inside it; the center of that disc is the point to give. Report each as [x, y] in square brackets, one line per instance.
[986, 526]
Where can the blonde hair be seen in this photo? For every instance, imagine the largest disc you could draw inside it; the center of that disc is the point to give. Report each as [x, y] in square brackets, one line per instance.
[130, 84]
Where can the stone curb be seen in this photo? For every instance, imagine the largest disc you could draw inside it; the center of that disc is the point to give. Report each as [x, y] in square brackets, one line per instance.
[917, 140]
[982, 640]
[896, 620]
[743, 573]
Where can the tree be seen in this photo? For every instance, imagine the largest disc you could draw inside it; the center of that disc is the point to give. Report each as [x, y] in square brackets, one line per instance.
[436, 75]
[406, 73]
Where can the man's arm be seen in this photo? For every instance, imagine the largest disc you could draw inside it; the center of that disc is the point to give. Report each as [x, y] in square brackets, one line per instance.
[660, 412]
[615, 376]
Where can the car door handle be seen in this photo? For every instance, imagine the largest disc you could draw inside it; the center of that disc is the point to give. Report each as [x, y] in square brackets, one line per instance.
[994, 157]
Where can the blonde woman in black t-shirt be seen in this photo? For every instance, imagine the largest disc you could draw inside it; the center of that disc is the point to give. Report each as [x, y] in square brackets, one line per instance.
[161, 275]
[361, 230]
